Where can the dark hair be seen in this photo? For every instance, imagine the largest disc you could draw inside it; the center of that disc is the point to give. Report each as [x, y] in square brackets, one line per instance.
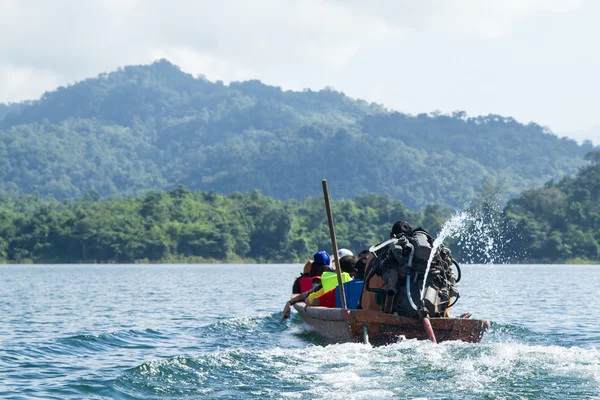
[317, 269]
[401, 227]
[359, 268]
[347, 264]
[364, 254]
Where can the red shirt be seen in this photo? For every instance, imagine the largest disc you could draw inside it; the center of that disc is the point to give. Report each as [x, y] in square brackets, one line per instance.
[327, 299]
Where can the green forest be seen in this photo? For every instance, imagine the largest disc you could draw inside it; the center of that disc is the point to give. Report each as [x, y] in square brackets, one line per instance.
[560, 221]
[182, 225]
[555, 223]
[154, 127]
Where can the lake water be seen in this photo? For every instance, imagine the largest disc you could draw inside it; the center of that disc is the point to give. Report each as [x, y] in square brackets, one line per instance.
[213, 331]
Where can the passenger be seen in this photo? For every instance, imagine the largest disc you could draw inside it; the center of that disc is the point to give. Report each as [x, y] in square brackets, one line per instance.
[353, 288]
[344, 253]
[341, 253]
[326, 296]
[361, 264]
[305, 272]
[364, 254]
[347, 264]
[321, 261]
[368, 299]
[331, 298]
[400, 228]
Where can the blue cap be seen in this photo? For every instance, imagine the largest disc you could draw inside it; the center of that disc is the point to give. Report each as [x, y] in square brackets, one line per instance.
[322, 257]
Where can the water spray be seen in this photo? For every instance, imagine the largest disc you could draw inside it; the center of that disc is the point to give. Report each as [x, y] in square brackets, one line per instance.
[451, 227]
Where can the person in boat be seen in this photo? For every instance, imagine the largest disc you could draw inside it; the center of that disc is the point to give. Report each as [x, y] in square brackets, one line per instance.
[326, 296]
[410, 276]
[368, 299]
[347, 264]
[329, 295]
[353, 288]
[340, 254]
[305, 272]
[360, 265]
[320, 263]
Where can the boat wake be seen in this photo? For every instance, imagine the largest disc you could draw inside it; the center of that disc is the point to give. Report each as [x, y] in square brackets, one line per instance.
[405, 369]
[258, 357]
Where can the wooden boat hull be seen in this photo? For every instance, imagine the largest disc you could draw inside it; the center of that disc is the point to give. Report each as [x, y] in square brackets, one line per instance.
[347, 325]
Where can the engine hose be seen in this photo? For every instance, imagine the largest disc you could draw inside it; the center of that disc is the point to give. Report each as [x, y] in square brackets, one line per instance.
[408, 295]
[373, 249]
[411, 255]
[455, 301]
[457, 269]
[409, 264]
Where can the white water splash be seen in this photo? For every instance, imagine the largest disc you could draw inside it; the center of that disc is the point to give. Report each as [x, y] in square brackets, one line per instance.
[409, 369]
[455, 225]
[481, 237]
[486, 239]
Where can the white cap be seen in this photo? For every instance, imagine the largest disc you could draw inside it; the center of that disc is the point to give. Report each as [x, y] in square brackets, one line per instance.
[344, 253]
[341, 253]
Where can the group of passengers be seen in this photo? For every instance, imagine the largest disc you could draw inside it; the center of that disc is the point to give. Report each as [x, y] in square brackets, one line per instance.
[319, 274]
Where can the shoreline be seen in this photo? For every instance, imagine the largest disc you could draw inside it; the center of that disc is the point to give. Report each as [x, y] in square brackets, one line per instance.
[256, 262]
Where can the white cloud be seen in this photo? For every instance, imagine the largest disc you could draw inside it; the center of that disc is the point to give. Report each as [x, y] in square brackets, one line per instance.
[362, 47]
[202, 63]
[490, 18]
[25, 83]
[227, 39]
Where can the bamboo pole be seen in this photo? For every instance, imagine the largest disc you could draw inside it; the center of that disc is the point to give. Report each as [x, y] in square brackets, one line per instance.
[338, 269]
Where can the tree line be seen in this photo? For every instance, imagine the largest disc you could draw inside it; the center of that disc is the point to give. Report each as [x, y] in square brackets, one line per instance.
[554, 223]
[183, 225]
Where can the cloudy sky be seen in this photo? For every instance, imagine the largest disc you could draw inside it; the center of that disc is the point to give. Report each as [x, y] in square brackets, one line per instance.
[535, 60]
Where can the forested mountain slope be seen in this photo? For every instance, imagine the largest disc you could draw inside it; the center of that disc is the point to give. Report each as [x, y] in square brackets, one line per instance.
[154, 127]
[560, 221]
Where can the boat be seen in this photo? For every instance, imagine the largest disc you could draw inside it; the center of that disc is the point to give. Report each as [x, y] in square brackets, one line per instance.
[379, 328]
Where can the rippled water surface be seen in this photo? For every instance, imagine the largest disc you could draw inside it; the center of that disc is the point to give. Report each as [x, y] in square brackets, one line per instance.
[213, 331]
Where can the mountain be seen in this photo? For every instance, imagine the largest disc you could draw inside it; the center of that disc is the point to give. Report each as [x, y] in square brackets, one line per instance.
[155, 127]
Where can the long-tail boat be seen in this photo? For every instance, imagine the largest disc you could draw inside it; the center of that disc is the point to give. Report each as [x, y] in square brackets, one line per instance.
[379, 328]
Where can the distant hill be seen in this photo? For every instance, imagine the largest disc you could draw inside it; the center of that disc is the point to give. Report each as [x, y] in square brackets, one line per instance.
[155, 127]
[560, 221]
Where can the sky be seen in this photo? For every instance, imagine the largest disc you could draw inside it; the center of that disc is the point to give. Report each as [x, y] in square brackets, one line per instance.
[534, 60]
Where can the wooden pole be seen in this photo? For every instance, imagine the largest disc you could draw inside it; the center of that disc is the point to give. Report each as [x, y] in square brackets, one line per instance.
[338, 269]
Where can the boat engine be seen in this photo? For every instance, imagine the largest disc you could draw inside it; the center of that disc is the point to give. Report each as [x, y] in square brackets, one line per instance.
[402, 264]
